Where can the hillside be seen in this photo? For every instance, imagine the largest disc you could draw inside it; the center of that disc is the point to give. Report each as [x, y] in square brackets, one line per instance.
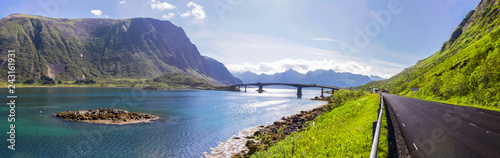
[341, 131]
[321, 77]
[75, 49]
[467, 68]
[219, 72]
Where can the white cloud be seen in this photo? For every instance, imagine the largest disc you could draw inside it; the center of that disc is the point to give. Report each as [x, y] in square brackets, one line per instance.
[300, 65]
[186, 14]
[96, 12]
[390, 64]
[266, 54]
[303, 66]
[168, 16]
[323, 39]
[122, 2]
[161, 5]
[241, 47]
[197, 12]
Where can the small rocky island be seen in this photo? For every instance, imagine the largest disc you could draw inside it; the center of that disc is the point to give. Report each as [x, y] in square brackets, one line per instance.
[107, 116]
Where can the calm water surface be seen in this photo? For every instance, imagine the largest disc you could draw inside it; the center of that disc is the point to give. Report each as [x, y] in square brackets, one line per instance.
[191, 121]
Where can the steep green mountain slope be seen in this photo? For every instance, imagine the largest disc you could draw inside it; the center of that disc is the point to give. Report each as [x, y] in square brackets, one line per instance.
[466, 69]
[74, 49]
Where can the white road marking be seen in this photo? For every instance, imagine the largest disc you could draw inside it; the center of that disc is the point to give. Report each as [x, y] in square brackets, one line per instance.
[448, 115]
[398, 114]
[415, 146]
[481, 112]
[434, 109]
[472, 124]
[404, 125]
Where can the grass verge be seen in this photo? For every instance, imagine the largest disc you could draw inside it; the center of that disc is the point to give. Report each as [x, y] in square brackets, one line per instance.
[455, 101]
[345, 131]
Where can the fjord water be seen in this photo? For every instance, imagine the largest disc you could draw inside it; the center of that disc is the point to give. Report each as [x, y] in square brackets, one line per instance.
[191, 121]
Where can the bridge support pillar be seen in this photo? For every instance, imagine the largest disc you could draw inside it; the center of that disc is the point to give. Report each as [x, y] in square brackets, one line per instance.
[299, 92]
[260, 89]
[245, 88]
[322, 96]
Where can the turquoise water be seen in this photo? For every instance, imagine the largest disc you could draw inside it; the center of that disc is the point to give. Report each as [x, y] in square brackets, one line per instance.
[191, 121]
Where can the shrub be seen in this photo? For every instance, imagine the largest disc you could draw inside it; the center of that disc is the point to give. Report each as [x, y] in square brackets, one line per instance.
[30, 81]
[342, 96]
[86, 81]
[46, 80]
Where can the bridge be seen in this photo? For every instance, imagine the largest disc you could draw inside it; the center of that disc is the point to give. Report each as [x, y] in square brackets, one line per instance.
[297, 85]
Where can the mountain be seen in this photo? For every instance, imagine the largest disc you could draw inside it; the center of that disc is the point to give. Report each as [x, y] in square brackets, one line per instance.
[320, 77]
[220, 73]
[465, 70]
[375, 78]
[289, 76]
[74, 49]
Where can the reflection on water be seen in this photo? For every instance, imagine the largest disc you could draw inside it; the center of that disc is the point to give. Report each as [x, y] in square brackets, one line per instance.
[191, 121]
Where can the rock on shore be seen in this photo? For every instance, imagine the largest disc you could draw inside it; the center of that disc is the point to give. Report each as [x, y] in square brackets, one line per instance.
[107, 116]
[247, 142]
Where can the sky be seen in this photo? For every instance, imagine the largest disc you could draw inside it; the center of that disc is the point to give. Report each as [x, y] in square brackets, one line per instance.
[267, 36]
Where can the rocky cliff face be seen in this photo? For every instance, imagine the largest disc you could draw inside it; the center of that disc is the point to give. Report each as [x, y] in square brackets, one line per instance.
[68, 49]
[220, 73]
[484, 14]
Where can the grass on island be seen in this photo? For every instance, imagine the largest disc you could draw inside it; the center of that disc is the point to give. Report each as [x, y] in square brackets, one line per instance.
[345, 131]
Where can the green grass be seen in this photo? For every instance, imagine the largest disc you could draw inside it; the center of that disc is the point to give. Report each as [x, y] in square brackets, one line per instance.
[454, 101]
[71, 83]
[166, 81]
[345, 131]
[176, 80]
[173, 80]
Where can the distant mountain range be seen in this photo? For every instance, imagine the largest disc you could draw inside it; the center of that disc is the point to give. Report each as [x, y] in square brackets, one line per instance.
[320, 77]
[75, 49]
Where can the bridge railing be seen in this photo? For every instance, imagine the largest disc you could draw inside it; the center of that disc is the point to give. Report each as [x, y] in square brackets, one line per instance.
[373, 153]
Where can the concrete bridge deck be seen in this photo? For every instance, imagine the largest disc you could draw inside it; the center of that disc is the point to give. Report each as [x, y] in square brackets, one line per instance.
[298, 85]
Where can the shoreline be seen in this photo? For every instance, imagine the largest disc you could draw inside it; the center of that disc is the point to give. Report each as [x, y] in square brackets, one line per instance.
[144, 88]
[105, 87]
[68, 86]
[247, 142]
[109, 122]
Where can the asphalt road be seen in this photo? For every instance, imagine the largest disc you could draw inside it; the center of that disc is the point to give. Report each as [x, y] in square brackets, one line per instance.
[433, 129]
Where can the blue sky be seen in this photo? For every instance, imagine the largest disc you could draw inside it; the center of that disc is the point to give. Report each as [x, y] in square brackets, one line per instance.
[267, 36]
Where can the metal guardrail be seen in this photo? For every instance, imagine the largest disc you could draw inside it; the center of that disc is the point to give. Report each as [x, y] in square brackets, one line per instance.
[373, 153]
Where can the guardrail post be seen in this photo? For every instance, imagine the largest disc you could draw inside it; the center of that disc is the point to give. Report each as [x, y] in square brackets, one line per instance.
[374, 128]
